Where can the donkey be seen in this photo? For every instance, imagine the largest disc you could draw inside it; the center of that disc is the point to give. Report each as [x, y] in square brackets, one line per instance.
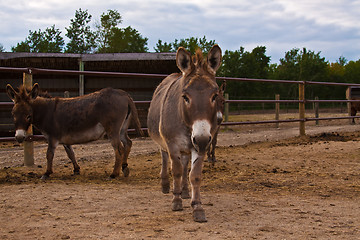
[76, 120]
[182, 120]
[220, 105]
[355, 107]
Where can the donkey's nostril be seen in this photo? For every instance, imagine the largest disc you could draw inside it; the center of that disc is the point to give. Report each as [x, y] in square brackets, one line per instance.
[201, 143]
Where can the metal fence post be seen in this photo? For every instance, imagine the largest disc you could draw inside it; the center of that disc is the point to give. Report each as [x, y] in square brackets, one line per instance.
[226, 110]
[277, 110]
[317, 110]
[81, 79]
[28, 146]
[302, 108]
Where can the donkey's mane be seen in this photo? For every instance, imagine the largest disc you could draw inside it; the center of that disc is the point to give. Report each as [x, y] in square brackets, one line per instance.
[198, 60]
[24, 93]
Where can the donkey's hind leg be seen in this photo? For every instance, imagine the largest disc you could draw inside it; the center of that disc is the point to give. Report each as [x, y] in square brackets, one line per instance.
[70, 152]
[126, 141]
[119, 155]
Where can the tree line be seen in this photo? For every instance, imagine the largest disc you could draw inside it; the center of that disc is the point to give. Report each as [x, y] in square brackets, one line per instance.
[108, 37]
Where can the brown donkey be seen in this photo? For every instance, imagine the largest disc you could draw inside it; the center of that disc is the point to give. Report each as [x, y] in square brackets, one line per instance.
[182, 120]
[76, 120]
[220, 106]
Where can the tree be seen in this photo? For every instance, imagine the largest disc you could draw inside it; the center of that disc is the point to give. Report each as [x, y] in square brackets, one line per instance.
[352, 72]
[112, 39]
[48, 41]
[342, 61]
[191, 44]
[240, 63]
[82, 39]
[304, 65]
[2, 49]
[105, 29]
[163, 47]
[127, 40]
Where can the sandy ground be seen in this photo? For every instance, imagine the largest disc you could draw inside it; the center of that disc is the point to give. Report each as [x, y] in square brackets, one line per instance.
[267, 184]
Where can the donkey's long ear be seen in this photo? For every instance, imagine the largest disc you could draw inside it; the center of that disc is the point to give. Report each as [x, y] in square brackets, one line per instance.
[214, 59]
[222, 87]
[11, 92]
[34, 91]
[183, 60]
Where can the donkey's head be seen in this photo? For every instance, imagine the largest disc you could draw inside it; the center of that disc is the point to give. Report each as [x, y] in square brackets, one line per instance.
[199, 94]
[22, 111]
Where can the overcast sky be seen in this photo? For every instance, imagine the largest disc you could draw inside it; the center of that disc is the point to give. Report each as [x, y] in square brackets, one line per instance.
[329, 26]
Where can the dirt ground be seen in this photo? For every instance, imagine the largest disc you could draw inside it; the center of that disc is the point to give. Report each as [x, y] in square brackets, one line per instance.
[267, 184]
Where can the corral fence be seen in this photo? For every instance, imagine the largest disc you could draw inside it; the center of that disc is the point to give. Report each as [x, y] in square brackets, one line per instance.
[28, 81]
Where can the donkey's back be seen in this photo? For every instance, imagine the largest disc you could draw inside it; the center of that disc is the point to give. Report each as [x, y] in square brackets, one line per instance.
[84, 119]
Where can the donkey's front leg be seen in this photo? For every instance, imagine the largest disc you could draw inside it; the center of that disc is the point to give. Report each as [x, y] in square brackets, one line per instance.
[164, 174]
[185, 194]
[195, 180]
[177, 171]
[49, 158]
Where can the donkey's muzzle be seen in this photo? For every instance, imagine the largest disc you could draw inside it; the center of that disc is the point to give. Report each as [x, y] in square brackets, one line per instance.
[201, 136]
[20, 135]
[201, 143]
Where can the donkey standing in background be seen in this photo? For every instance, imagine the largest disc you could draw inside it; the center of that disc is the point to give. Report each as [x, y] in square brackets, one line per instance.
[355, 106]
[220, 105]
[76, 120]
[182, 120]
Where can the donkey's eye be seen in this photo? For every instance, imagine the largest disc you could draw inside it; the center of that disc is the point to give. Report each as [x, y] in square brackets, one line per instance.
[214, 98]
[186, 99]
[28, 117]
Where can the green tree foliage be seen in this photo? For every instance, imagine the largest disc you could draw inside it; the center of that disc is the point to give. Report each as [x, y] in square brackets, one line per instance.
[352, 72]
[190, 44]
[2, 49]
[105, 29]
[243, 64]
[302, 65]
[111, 39]
[48, 41]
[163, 47]
[82, 39]
[127, 40]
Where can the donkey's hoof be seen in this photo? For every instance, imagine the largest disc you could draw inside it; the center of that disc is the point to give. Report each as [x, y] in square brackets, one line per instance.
[112, 176]
[44, 177]
[212, 160]
[76, 173]
[177, 204]
[185, 194]
[165, 188]
[199, 215]
[126, 172]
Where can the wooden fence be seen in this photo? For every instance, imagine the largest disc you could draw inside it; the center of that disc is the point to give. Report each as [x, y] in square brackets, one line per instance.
[28, 81]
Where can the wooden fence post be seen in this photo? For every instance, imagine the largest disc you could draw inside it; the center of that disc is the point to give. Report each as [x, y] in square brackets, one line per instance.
[277, 110]
[226, 110]
[28, 146]
[348, 97]
[302, 108]
[81, 78]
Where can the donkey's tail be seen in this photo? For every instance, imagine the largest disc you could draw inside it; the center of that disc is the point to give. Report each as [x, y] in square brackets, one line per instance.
[135, 117]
